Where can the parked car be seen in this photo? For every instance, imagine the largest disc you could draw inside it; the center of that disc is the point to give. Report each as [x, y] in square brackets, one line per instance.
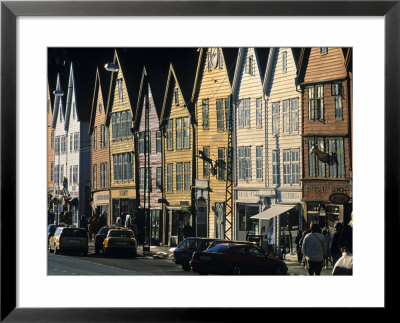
[236, 259]
[99, 239]
[120, 240]
[220, 241]
[184, 251]
[51, 229]
[69, 239]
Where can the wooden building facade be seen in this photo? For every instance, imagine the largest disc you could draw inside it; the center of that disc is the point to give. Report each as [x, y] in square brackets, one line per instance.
[100, 160]
[325, 75]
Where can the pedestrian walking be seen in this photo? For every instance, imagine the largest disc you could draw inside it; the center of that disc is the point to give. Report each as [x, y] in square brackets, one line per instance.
[298, 247]
[336, 253]
[327, 257]
[83, 222]
[314, 250]
[118, 223]
[346, 238]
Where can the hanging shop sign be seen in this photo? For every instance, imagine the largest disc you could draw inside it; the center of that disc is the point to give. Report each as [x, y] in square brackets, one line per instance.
[339, 198]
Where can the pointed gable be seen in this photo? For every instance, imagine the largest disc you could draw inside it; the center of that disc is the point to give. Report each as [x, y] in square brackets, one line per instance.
[58, 102]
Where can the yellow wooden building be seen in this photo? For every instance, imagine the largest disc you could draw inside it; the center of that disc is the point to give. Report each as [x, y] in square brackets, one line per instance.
[176, 122]
[211, 96]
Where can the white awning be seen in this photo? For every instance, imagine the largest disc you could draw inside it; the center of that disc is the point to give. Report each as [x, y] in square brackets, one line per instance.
[274, 210]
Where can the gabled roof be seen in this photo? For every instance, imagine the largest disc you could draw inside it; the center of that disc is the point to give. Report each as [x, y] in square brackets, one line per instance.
[102, 82]
[304, 55]
[271, 65]
[261, 58]
[230, 57]
[58, 100]
[182, 71]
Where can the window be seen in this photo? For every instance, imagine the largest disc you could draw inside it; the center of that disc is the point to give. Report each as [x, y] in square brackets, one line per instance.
[94, 183]
[178, 133]
[169, 178]
[250, 65]
[206, 165]
[70, 174]
[275, 118]
[75, 174]
[73, 110]
[145, 179]
[170, 138]
[52, 139]
[186, 133]
[56, 175]
[71, 142]
[158, 141]
[76, 141]
[285, 115]
[51, 171]
[100, 108]
[294, 115]
[221, 163]
[179, 176]
[336, 152]
[245, 163]
[62, 173]
[143, 141]
[121, 124]
[103, 136]
[95, 138]
[244, 113]
[103, 174]
[57, 145]
[275, 167]
[337, 95]
[324, 50]
[227, 110]
[316, 102]
[259, 163]
[205, 114]
[186, 177]
[209, 61]
[123, 167]
[158, 179]
[316, 167]
[220, 115]
[62, 144]
[295, 166]
[120, 97]
[284, 62]
[176, 96]
[291, 166]
[258, 113]
[220, 61]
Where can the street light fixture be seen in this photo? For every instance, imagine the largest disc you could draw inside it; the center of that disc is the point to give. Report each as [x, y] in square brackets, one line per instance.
[111, 67]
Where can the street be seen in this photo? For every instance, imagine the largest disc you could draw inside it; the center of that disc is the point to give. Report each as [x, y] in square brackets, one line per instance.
[151, 263]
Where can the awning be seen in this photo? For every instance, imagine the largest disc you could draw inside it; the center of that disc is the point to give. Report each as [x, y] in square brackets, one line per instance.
[274, 210]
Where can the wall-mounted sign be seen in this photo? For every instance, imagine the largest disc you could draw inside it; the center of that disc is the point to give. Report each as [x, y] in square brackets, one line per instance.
[339, 198]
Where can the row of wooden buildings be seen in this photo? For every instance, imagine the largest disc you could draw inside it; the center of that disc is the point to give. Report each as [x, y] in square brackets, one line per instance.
[236, 142]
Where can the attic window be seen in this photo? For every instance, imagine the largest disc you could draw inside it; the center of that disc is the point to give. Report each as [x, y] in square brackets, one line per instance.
[176, 96]
[324, 50]
[73, 111]
[284, 62]
[220, 65]
[250, 65]
[100, 107]
[120, 89]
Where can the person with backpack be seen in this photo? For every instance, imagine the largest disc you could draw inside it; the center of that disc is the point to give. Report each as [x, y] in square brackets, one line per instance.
[314, 250]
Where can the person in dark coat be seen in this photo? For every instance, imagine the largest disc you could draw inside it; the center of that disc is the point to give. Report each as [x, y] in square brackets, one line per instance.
[83, 223]
[336, 252]
[298, 247]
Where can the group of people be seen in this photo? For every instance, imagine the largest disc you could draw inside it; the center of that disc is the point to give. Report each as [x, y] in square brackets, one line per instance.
[94, 224]
[315, 249]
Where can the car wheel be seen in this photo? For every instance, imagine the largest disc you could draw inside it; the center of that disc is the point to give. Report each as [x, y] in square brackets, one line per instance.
[236, 270]
[55, 249]
[281, 271]
[186, 266]
[134, 253]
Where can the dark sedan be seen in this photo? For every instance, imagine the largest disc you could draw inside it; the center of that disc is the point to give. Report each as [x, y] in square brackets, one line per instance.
[99, 238]
[184, 251]
[236, 259]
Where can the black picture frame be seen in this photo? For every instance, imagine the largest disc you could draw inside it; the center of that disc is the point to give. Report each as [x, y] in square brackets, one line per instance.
[10, 10]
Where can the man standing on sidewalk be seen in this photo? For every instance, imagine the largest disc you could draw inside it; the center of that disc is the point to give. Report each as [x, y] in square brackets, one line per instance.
[314, 250]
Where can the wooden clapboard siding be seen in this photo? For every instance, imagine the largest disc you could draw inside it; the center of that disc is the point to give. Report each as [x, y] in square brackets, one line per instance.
[121, 145]
[214, 84]
[155, 158]
[174, 155]
[101, 154]
[325, 67]
[282, 87]
[250, 86]
[50, 142]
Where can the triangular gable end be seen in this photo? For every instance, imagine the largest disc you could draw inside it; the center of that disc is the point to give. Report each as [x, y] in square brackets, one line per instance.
[96, 90]
[58, 103]
[70, 98]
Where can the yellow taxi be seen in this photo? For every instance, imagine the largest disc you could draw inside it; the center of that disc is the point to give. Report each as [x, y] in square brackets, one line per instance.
[120, 240]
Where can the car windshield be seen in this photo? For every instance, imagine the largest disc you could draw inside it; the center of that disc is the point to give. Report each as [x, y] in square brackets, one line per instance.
[219, 248]
[70, 232]
[103, 230]
[120, 233]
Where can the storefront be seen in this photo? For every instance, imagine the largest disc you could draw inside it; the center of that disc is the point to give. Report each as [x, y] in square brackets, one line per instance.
[201, 195]
[101, 202]
[122, 201]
